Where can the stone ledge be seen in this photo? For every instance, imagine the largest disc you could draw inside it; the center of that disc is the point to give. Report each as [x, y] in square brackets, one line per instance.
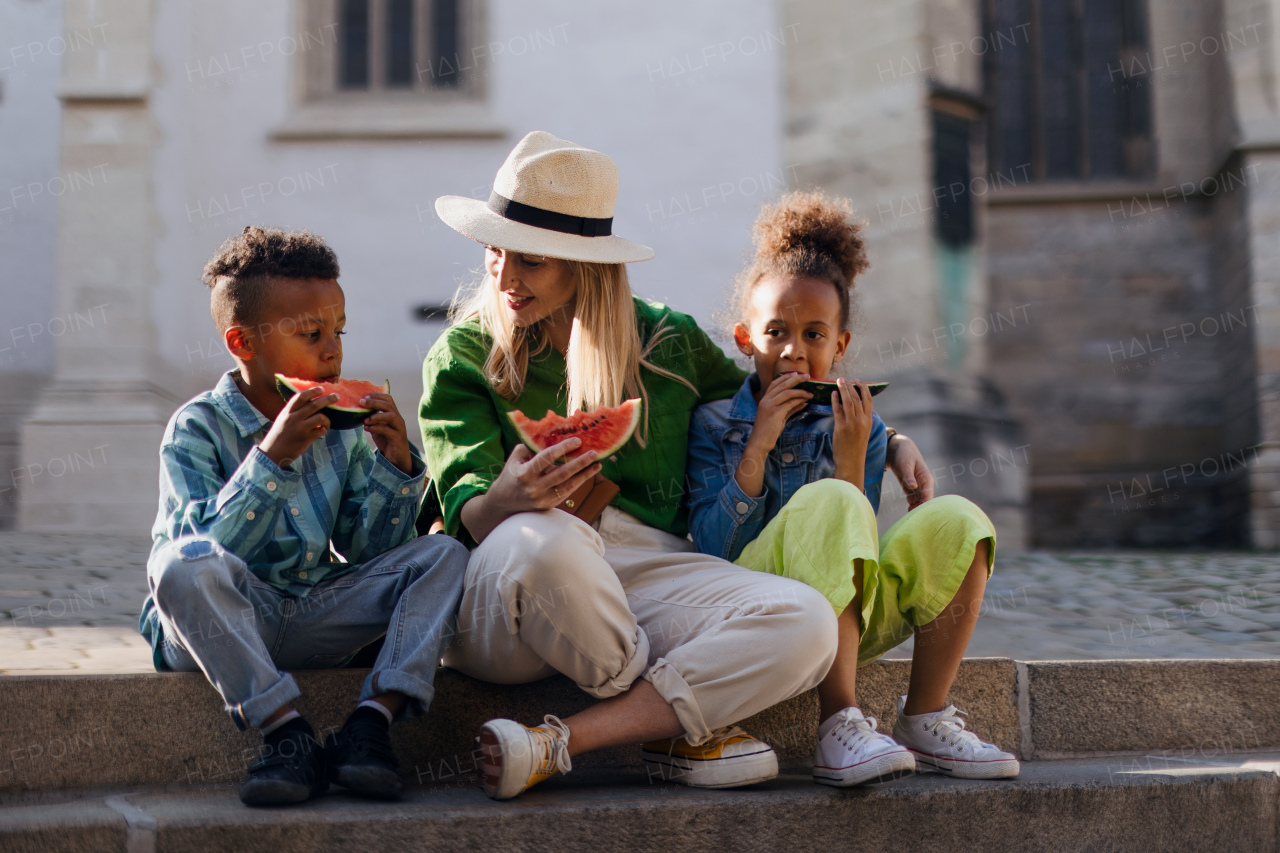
[1207, 706]
[169, 729]
[1055, 805]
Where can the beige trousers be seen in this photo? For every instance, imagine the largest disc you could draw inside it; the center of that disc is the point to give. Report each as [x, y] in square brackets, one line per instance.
[546, 592]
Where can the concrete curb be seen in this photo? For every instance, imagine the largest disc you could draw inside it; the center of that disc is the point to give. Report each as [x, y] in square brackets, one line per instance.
[1069, 805]
[169, 729]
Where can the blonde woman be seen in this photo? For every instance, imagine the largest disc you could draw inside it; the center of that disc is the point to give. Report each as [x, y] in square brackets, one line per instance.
[677, 645]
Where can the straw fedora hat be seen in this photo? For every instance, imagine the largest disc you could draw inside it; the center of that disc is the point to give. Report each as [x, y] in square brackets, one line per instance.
[551, 198]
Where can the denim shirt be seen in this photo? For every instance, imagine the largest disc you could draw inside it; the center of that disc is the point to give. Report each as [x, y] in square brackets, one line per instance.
[723, 518]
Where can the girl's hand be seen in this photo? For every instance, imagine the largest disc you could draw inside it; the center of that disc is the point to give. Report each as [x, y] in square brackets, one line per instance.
[908, 465]
[530, 481]
[386, 427]
[781, 400]
[853, 412]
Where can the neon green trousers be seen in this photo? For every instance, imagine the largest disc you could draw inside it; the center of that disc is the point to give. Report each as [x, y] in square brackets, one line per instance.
[909, 575]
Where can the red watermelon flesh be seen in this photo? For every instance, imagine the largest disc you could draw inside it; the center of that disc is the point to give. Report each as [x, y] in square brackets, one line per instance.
[604, 430]
[346, 413]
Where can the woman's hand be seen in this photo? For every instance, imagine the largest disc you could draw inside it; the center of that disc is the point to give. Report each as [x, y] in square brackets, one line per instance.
[907, 464]
[853, 412]
[529, 481]
[781, 400]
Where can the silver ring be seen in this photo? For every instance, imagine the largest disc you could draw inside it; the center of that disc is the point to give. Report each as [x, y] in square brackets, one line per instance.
[557, 491]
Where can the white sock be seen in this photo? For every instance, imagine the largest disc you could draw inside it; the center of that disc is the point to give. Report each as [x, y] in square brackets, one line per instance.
[292, 715]
[378, 706]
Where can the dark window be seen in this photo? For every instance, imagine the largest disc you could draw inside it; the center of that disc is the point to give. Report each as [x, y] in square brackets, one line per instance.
[444, 44]
[951, 178]
[400, 44]
[1066, 103]
[353, 26]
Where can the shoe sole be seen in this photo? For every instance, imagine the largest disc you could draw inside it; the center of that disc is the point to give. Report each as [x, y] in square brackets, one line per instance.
[733, 772]
[882, 768]
[1004, 768]
[274, 792]
[497, 739]
[381, 783]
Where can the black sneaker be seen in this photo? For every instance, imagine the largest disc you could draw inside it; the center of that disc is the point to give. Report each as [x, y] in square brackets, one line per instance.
[361, 758]
[292, 769]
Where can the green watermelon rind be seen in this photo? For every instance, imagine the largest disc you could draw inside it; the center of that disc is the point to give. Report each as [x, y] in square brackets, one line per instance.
[822, 389]
[340, 417]
[603, 453]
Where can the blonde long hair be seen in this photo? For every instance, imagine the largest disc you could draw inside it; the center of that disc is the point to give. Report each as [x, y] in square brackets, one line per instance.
[605, 353]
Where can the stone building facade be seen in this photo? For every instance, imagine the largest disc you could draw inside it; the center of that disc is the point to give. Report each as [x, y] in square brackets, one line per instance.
[1124, 186]
[1072, 210]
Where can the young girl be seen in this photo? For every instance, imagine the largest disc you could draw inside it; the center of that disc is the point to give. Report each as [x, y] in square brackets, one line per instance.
[783, 485]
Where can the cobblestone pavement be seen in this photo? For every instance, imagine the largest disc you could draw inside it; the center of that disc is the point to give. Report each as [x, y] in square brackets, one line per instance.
[69, 604]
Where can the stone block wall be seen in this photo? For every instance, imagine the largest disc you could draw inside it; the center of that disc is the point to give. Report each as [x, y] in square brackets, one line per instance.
[1117, 375]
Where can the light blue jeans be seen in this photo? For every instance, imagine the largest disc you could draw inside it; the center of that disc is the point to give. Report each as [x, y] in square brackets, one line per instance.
[221, 619]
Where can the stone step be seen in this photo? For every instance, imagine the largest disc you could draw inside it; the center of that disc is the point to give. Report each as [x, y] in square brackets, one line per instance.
[169, 729]
[1132, 803]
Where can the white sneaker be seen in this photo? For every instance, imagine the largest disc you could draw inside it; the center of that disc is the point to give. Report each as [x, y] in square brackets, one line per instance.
[850, 751]
[514, 758]
[940, 742]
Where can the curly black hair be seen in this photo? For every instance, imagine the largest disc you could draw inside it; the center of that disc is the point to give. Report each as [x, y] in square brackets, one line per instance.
[239, 274]
[806, 234]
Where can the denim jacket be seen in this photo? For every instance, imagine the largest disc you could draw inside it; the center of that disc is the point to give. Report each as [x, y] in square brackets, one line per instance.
[722, 518]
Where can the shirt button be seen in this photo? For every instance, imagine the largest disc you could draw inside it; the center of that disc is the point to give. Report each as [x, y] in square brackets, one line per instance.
[395, 521]
[293, 510]
[613, 458]
[788, 457]
[742, 507]
[309, 556]
[302, 575]
[405, 490]
[271, 485]
[251, 515]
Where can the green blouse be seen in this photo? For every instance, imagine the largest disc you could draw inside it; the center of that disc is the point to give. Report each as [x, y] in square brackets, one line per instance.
[467, 437]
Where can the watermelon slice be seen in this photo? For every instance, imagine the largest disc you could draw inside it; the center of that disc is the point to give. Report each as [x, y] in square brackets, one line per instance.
[822, 389]
[346, 413]
[605, 430]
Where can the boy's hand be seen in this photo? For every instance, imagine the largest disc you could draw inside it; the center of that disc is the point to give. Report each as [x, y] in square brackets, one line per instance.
[388, 431]
[781, 400]
[298, 424]
[853, 412]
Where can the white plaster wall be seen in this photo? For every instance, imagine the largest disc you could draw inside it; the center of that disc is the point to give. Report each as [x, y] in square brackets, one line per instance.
[683, 96]
[31, 44]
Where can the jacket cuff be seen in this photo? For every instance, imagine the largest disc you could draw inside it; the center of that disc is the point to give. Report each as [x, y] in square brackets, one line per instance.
[740, 506]
[395, 485]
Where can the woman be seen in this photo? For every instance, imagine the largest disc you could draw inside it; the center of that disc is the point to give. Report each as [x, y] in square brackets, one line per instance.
[677, 645]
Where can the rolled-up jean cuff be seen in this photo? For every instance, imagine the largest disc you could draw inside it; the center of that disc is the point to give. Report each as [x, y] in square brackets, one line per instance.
[419, 692]
[672, 687]
[622, 682]
[253, 712]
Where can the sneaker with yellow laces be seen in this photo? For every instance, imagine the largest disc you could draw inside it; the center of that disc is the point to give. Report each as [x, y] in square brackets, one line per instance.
[514, 757]
[729, 759]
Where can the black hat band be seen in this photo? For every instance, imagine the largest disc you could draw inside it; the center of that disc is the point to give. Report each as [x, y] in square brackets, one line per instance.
[525, 214]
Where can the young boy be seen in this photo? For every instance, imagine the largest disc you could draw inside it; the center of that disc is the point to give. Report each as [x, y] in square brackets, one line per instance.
[253, 492]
